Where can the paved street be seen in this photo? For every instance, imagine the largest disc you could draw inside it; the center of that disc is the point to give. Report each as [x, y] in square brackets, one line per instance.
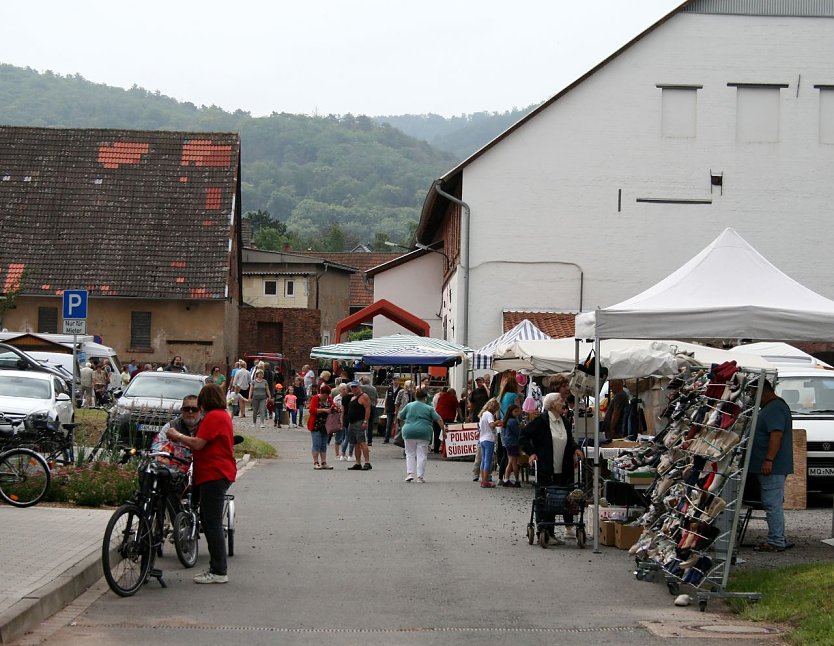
[344, 557]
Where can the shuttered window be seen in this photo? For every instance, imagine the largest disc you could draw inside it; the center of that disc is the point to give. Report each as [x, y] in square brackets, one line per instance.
[48, 320]
[140, 329]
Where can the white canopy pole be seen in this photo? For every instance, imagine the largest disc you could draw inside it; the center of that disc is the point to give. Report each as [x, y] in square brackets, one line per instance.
[596, 444]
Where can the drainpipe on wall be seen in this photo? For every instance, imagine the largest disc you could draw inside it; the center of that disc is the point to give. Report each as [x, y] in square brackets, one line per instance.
[464, 236]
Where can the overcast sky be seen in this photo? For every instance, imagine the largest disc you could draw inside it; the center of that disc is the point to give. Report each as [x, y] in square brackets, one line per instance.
[373, 57]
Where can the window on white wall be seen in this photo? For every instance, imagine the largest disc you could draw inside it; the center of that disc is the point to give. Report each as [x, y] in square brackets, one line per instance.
[826, 113]
[289, 288]
[270, 287]
[757, 112]
[679, 111]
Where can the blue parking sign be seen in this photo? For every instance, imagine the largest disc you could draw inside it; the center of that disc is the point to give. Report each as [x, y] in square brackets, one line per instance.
[75, 304]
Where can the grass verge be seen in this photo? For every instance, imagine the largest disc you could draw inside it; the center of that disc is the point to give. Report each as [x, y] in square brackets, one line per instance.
[800, 596]
[256, 448]
[91, 424]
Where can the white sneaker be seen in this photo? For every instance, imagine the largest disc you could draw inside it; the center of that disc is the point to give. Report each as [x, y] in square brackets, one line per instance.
[211, 577]
[420, 480]
[409, 478]
[263, 425]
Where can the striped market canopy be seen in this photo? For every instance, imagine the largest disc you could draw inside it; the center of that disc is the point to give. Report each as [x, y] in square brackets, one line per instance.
[396, 349]
[524, 331]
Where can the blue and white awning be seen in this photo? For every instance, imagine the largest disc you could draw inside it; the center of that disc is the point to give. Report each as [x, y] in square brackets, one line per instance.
[396, 349]
[524, 331]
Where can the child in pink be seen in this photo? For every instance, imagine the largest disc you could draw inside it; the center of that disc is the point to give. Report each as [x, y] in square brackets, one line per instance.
[290, 403]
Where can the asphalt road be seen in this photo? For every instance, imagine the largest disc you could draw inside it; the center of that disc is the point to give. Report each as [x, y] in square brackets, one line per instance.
[343, 557]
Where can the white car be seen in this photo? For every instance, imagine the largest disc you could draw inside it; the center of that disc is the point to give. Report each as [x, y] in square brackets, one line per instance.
[38, 398]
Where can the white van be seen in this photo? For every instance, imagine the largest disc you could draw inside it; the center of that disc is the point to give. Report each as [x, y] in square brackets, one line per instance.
[810, 394]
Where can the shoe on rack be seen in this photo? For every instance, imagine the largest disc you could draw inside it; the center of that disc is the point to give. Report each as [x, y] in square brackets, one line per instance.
[367, 466]
[356, 467]
[211, 577]
[409, 478]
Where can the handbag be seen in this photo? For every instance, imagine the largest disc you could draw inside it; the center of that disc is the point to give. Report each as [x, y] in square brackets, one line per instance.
[399, 441]
[333, 423]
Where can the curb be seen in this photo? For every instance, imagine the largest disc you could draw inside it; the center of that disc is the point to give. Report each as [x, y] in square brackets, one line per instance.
[50, 598]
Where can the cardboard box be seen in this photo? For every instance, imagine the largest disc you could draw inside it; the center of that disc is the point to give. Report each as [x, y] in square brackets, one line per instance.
[625, 536]
[607, 532]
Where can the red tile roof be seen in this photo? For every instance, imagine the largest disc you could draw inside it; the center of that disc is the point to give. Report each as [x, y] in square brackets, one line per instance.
[359, 295]
[117, 212]
[558, 325]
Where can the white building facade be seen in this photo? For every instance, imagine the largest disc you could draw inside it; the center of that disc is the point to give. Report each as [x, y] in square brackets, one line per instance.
[721, 114]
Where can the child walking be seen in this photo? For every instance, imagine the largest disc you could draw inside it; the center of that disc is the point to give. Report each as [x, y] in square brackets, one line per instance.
[510, 436]
[279, 404]
[291, 403]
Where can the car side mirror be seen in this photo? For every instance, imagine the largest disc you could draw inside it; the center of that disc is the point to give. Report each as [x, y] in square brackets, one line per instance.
[62, 397]
[21, 364]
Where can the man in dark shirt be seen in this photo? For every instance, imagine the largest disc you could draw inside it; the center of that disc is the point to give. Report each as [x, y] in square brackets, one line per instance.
[617, 401]
[477, 399]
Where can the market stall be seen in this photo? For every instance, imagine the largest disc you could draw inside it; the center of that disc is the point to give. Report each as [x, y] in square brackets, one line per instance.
[524, 331]
[698, 301]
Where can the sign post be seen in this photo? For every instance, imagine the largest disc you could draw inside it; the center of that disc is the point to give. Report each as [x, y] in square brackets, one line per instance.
[75, 323]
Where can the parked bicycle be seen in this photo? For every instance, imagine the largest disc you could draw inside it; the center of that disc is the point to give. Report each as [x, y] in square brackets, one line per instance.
[135, 532]
[24, 477]
[56, 446]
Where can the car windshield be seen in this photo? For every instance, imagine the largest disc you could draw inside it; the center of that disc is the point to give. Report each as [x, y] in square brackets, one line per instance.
[807, 394]
[159, 385]
[26, 387]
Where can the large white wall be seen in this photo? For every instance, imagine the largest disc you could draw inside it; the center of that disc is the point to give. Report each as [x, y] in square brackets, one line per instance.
[549, 191]
[414, 286]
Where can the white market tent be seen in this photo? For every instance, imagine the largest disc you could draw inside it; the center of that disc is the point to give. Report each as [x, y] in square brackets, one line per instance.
[727, 290]
[396, 349]
[524, 331]
[559, 355]
[782, 354]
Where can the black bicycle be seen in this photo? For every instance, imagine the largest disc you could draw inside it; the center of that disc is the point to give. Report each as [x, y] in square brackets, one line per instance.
[24, 477]
[136, 532]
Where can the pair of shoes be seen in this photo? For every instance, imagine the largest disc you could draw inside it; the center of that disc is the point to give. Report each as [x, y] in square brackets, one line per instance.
[421, 480]
[409, 478]
[488, 485]
[316, 466]
[367, 467]
[768, 547]
[355, 467]
[211, 577]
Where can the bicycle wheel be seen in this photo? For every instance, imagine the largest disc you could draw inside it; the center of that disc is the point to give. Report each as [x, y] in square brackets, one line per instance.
[186, 538]
[24, 477]
[126, 552]
[229, 523]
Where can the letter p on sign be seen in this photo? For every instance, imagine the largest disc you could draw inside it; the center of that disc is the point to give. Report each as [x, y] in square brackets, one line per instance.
[75, 304]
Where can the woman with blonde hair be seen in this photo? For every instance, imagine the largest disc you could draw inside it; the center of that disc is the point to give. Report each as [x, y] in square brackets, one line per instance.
[486, 438]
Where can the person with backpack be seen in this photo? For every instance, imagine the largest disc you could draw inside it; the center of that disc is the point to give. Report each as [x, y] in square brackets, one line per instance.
[390, 408]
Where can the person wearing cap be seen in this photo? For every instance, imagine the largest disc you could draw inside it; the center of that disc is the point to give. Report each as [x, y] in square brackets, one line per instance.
[278, 402]
[771, 459]
[358, 418]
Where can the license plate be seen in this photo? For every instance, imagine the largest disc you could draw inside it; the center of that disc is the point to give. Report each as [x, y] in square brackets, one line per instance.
[821, 471]
[149, 428]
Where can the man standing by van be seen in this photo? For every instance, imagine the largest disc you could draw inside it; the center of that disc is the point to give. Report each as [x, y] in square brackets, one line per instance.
[772, 460]
[86, 377]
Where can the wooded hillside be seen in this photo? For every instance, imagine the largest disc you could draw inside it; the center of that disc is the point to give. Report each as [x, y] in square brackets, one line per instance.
[326, 183]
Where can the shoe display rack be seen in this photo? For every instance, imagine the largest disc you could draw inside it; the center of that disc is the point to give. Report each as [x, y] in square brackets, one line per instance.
[701, 457]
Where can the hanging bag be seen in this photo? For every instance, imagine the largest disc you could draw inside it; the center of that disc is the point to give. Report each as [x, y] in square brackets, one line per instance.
[333, 423]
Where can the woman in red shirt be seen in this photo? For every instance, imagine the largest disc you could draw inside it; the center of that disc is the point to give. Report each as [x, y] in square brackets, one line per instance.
[320, 407]
[214, 470]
